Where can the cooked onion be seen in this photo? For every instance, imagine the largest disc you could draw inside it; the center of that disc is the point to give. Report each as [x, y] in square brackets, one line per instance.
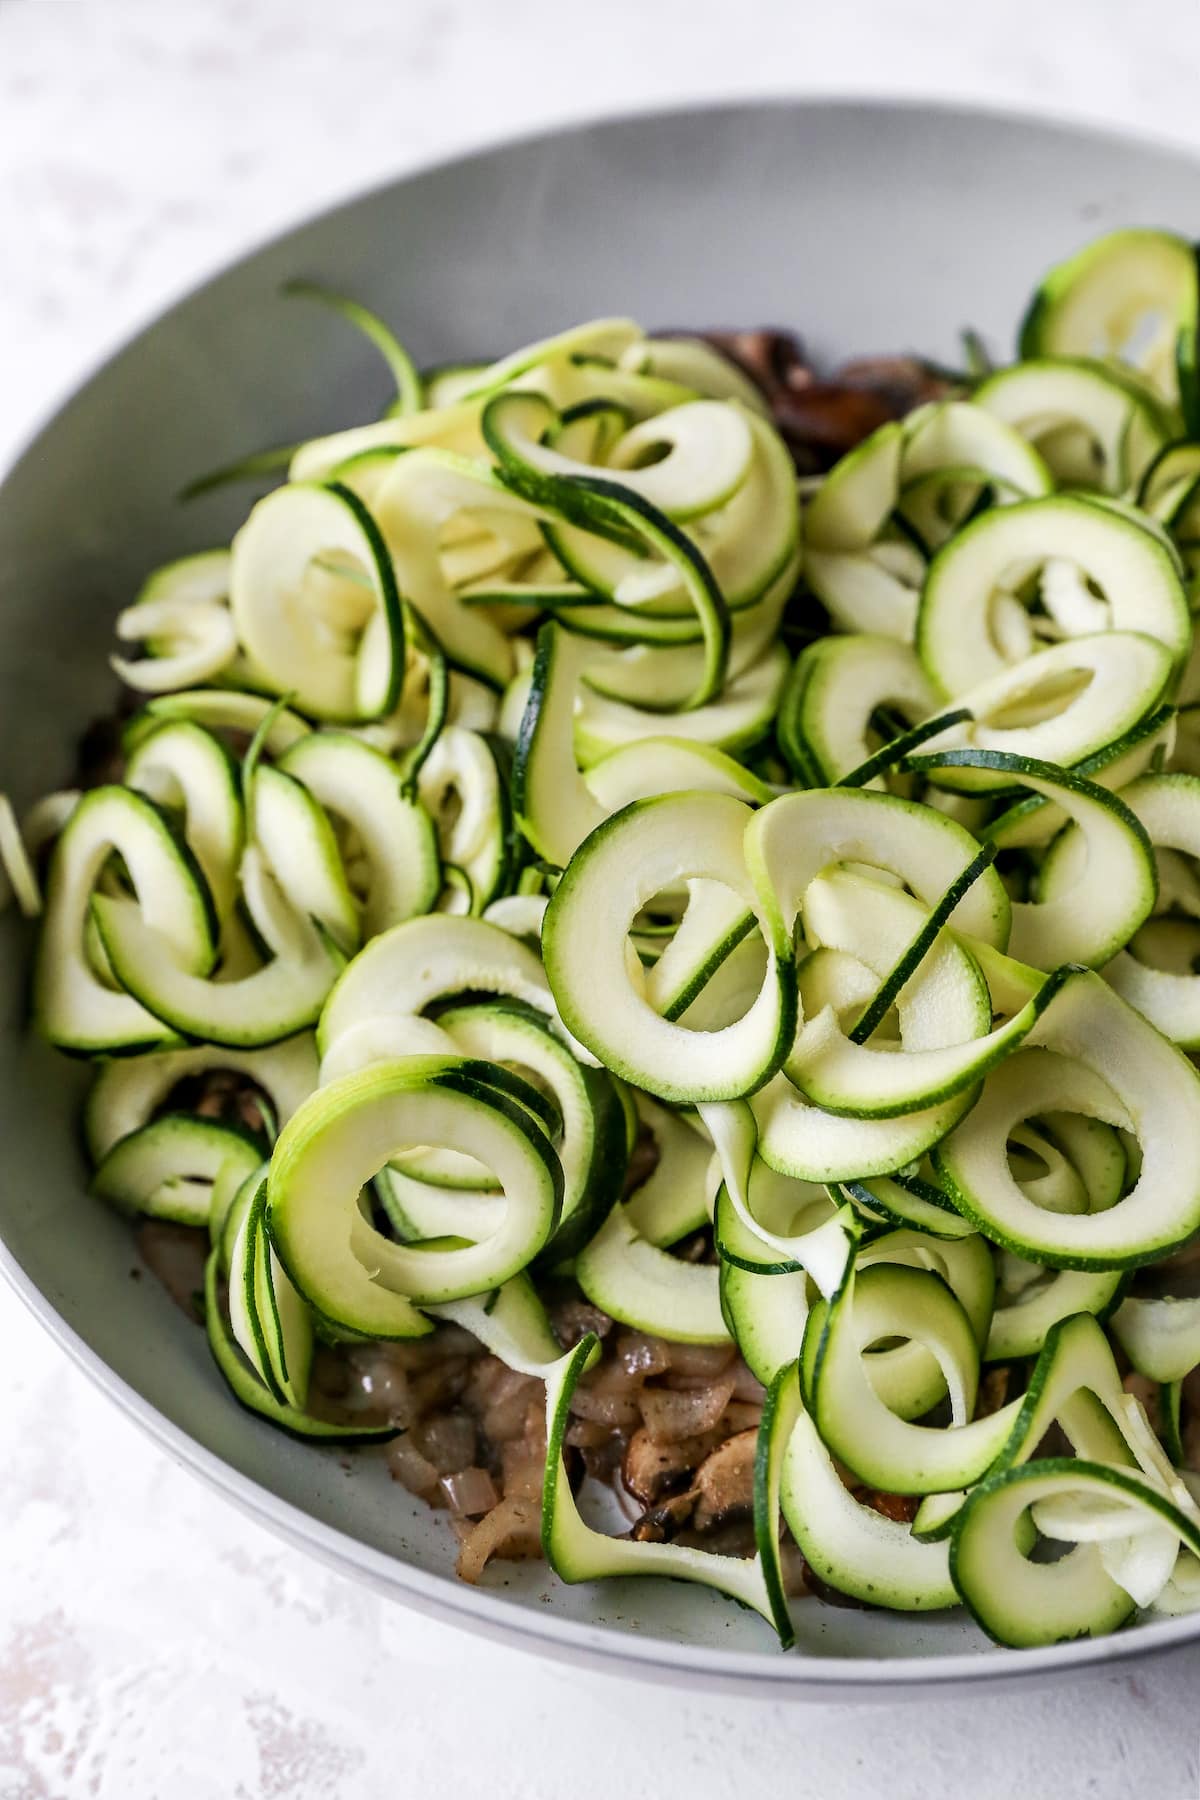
[470, 1492]
[606, 1406]
[587, 1434]
[501, 1398]
[376, 1383]
[608, 1396]
[448, 1441]
[695, 1365]
[511, 1530]
[641, 1355]
[436, 1387]
[522, 1471]
[412, 1470]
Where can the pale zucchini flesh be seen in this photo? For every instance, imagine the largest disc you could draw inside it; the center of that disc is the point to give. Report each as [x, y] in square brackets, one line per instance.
[573, 908]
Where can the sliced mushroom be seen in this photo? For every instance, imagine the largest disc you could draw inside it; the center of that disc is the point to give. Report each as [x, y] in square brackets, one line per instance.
[825, 419]
[993, 1392]
[902, 382]
[573, 1317]
[774, 359]
[828, 417]
[747, 1387]
[222, 1094]
[724, 1484]
[733, 1539]
[650, 1471]
[902, 1508]
[822, 418]
[663, 1522]
[372, 1383]
[672, 1415]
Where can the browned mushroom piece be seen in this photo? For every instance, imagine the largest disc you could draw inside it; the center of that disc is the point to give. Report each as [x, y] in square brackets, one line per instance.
[724, 1484]
[825, 419]
[438, 1385]
[775, 361]
[650, 1470]
[902, 1508]
[573, 1317]
[772, 357]
[373, 1383]
[222, 1094]
[674, 1415]
[821, 417]
[993, 1392]
[602, 1461]
[696, 1248]
[901, 382]
[659, 1524]
[733, 1538]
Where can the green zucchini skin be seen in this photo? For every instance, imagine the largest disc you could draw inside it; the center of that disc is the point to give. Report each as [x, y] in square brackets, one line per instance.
[993, 1585]
[1090, 294]
[249, 1392]
[542, 775]
[166, 1168]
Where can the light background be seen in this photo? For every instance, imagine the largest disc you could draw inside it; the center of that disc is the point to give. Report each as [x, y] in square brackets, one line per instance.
[152, 1641]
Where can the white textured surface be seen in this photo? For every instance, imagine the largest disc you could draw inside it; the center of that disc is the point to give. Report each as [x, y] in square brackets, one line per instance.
[151, 1640]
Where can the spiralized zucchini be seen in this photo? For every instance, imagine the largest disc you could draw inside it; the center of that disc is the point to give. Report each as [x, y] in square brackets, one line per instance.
[530, 774]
